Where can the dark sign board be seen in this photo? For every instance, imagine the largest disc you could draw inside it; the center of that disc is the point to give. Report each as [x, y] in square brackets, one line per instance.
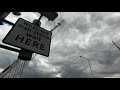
[29, 36]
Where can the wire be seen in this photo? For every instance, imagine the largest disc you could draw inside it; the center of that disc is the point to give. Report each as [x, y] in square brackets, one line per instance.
[15, 69]
[20, 66]
[82, 63]
[9, 68]
[56, 34]
[34, 56]
[10, 73]
[31, 59]
[22, 69]
[90, 68]
[116, 45]
[25, 64]
[58, 30]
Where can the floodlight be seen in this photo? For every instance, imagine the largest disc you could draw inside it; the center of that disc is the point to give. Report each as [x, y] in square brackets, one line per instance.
[16, 13]
[50, 15]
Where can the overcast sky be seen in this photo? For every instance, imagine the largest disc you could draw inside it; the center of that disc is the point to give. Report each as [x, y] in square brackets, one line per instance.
[88, 34]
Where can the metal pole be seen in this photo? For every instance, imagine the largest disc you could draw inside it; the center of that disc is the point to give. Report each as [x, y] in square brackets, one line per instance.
[57, 25]
[116, 45]
[8, 22]
[9, 48]
[9, 68]
[40, 17]
[89, 65]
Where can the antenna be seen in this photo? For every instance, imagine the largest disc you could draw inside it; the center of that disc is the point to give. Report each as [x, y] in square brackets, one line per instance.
[59, 24]
[116, 45]
[57, 28]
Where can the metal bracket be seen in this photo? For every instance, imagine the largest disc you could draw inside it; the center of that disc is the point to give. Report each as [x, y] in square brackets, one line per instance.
[9, 48]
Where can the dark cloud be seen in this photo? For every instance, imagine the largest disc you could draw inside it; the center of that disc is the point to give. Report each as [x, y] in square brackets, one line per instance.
[31, 72]
[99, 47]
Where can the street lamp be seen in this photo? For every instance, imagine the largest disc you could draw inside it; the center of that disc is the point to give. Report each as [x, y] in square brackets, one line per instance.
[16, 13]
[89, 65]
[50, 15]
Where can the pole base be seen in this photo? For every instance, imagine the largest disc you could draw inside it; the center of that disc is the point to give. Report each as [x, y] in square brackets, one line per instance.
[25, 55]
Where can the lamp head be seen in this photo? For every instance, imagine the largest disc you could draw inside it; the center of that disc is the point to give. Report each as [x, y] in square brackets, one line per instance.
[16, 13]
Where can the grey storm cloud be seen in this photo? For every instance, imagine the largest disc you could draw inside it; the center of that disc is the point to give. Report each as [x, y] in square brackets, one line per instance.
[96, 40]
[89, 34]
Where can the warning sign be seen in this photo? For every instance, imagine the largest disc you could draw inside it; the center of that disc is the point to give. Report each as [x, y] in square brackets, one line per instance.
[28, 36]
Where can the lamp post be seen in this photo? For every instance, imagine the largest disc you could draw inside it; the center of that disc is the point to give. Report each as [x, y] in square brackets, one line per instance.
[89, 65]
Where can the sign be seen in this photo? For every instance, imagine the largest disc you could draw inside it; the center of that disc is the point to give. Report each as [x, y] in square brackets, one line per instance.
[28, 36]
